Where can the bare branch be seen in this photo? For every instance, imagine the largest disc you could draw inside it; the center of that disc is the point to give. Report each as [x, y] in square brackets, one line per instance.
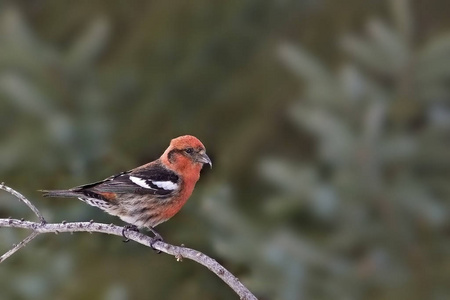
[178, 252]
[19, 245]
[23, 199]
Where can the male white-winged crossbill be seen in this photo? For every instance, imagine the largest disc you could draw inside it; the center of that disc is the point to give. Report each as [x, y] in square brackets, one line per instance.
[150, 194]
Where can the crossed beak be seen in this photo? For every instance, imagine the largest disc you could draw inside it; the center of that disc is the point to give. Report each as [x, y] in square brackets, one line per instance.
[204, 159]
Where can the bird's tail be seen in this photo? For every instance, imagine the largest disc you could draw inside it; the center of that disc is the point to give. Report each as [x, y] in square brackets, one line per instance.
[59, 193]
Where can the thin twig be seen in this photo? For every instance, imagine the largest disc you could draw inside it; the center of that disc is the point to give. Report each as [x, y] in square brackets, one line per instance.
[24, 200]
[178, 252]
[19, 245]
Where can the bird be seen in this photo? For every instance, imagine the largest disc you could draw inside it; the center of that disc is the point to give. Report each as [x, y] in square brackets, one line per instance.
[151, 194]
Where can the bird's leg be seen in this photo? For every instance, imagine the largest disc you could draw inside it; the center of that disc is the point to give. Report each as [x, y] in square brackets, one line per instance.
[126, 228]
[156, 238]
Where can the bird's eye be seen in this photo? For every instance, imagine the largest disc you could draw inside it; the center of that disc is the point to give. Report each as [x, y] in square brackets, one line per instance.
[189, 150]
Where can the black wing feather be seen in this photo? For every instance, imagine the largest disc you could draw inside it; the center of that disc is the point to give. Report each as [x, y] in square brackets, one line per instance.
[121, 183]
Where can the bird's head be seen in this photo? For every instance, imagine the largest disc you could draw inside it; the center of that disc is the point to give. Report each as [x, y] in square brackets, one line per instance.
[186, 150]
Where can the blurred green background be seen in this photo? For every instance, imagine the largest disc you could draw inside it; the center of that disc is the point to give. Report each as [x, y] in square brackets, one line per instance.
[328, 123]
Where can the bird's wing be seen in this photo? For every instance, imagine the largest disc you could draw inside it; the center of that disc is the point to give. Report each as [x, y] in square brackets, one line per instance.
[152, 179]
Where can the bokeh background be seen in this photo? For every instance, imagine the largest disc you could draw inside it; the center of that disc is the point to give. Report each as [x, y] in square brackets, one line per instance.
[328, 123]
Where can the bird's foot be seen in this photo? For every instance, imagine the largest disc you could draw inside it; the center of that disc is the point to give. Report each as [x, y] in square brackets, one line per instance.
[126, 228]
[156, 238]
